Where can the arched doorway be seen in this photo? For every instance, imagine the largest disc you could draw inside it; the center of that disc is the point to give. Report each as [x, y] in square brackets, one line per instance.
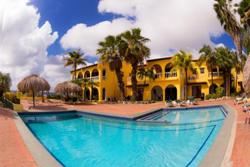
[79, 76]
[156, 93]
[103, 93]
[170, 93]
[212, 88]
[95, 94]
[157, 70]
[87, 94]
[87, 74]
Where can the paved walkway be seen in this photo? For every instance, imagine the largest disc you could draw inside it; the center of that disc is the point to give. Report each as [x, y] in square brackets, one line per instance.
[13, 151]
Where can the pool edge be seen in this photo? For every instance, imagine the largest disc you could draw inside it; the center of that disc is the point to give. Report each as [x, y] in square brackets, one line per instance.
[220, 152]
[41, 156]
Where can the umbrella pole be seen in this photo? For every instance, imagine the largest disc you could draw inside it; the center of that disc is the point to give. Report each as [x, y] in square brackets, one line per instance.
[33, 95]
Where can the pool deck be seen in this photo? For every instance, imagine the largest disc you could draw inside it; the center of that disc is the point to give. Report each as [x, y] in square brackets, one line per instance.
[14, 152]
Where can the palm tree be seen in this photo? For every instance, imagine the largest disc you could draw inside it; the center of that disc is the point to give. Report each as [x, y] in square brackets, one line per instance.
[135, 52]
[208, 56]
[145, 73]
[110, 52]
[244, 11]
[223, 9]
[74, 59]
[225, 61]
[183, 61]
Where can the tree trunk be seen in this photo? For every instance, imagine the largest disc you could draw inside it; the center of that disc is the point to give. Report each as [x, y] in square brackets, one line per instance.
[33, 96]
[134, 81]
[227, 80]
[236, 82]
[74, 72]
[84, 93]
[212, 77]
[42, 96]
[120, 83]
[185, 85]
[238, 46]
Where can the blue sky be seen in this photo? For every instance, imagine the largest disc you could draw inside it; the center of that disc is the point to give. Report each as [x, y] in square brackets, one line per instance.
[30, 48]
[63, 14]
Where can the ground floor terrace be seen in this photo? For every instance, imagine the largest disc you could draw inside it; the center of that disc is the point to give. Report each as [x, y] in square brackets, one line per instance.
[13, 151]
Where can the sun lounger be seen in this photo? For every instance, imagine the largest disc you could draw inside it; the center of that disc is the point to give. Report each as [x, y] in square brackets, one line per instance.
[240, 100]
[246, 107]
[171, 104]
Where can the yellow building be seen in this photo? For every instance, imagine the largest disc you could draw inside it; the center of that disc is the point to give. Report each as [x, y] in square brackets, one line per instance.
[167, 85]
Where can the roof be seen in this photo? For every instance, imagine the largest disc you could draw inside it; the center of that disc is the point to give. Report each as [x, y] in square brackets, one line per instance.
[162, 58]
[92, 65]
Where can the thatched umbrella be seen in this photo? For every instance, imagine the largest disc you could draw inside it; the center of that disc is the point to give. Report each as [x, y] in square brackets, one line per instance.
[246, 76]
[66, 88]
[34, 84]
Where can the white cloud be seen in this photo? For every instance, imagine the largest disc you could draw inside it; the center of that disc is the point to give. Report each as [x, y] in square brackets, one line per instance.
[23, 44]
[87, 38]
[171, 25]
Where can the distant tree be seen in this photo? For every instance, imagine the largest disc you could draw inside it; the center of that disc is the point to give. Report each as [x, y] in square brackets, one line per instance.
[135, 52]
[226, 60]
[110, 52]
[183, 61]
[143, 73]
[208, 56]
[74, 59]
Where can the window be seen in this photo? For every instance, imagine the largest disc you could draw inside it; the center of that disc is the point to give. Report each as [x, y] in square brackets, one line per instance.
[202, 70]
[195, 71]
[104, 74]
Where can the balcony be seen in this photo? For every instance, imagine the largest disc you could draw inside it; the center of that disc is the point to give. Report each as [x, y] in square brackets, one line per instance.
[171, 74]
[217, 74]
[94, 78]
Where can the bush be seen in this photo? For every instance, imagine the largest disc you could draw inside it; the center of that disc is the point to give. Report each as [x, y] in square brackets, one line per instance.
[12, 97]
[219, 92]
[54, 96]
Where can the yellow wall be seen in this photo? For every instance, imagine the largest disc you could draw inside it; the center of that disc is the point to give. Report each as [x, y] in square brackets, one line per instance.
[164, 80]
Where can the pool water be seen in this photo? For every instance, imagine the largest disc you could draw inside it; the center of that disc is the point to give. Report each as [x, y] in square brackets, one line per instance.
[81, 140]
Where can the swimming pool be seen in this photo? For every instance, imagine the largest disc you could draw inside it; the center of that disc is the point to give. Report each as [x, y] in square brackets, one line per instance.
[78, 139]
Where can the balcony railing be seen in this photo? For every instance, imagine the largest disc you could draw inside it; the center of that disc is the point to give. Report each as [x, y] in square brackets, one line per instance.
[93, 78]
[170, 74]
[215, 74]
[158, 75]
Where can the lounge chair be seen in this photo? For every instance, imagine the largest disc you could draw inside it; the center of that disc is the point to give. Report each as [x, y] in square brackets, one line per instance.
[183, 104]
[246, 107]
[170, 104]
[240, 100]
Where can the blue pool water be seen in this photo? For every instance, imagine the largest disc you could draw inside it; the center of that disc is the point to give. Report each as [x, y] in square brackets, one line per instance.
[81, 140]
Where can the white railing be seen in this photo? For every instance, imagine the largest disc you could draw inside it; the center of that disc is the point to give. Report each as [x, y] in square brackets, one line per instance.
[94, 78]
[158, 75]
[170, 74]
[215, 74]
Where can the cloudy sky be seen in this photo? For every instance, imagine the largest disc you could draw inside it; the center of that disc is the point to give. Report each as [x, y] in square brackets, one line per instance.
[36, 34]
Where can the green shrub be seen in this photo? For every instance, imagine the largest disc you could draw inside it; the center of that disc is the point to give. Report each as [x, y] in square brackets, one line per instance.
[12, 97]
[54, 96]
[219, 91]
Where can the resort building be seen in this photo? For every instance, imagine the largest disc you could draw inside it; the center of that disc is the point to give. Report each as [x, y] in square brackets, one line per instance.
[168, 83]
